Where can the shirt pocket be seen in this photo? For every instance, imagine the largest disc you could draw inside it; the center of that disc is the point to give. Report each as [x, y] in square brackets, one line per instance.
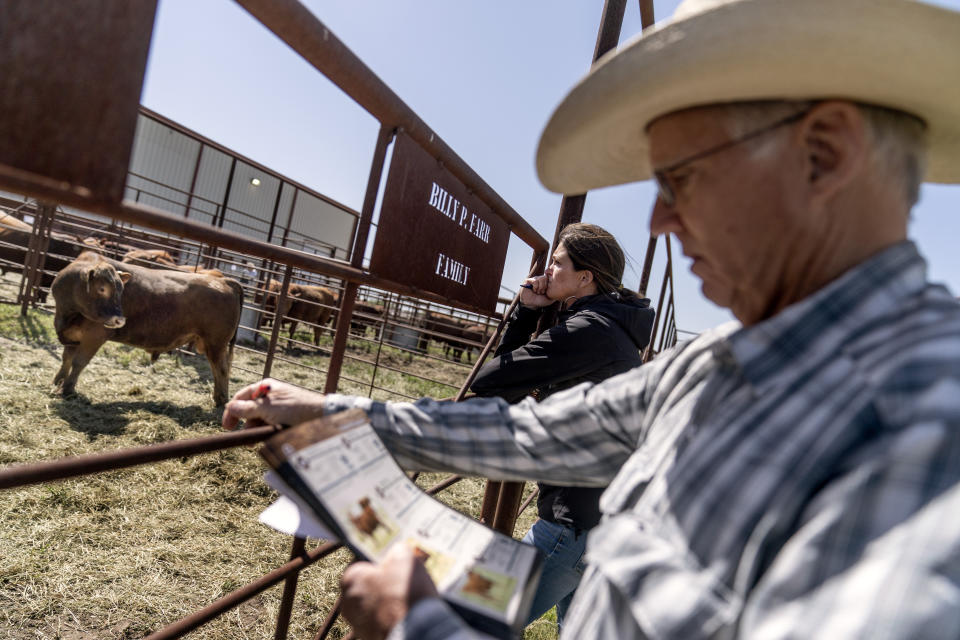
[669, 592]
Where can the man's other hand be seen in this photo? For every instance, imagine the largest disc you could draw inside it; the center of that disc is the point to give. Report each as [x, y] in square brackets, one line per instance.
[377, 597]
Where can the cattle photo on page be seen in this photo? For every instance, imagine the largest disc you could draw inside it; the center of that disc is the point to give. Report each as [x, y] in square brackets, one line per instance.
[98, 299]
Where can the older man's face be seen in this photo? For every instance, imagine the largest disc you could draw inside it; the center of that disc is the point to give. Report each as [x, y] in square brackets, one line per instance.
[738, 213]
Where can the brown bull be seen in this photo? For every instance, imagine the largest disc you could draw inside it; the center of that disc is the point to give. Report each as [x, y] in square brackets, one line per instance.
[365, 314]
[453, 334]
[15, 240]
[310, 304]
[304, 303]
[99, 299]
[163, 259]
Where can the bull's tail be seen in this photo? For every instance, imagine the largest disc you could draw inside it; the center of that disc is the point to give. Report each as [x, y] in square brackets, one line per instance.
[238, 292]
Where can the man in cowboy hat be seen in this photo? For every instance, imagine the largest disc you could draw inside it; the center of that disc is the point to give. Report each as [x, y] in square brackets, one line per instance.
[796, 474]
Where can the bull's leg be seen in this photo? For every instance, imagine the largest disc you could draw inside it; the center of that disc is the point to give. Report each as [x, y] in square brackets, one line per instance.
[219, 359]
[68, 352]
[80, 357]
[293, 328]
[316, 336]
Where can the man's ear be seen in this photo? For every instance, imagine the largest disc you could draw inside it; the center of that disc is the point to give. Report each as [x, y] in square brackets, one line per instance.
[835, 142]
[586, 277]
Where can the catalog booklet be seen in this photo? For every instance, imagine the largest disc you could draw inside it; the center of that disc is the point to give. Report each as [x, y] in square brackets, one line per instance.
[339, 468]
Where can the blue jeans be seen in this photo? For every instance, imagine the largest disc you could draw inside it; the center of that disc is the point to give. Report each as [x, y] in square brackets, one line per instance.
[563, 567]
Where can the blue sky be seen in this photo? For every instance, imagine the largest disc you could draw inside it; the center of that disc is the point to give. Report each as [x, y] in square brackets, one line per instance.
[485, 75]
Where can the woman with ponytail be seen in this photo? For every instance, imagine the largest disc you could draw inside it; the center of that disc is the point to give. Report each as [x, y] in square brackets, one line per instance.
[600, 332]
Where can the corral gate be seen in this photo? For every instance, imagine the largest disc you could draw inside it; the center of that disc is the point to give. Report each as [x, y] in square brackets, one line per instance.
[83, 161]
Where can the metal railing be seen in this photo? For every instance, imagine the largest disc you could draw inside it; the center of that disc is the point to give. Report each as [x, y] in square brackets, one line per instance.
[302, 31]
[296, 26]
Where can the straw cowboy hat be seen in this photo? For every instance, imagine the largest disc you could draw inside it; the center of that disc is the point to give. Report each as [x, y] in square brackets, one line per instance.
[895, 53]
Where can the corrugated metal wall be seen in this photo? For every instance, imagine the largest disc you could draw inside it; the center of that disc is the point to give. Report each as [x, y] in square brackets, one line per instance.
[164, 165]
[161, 166]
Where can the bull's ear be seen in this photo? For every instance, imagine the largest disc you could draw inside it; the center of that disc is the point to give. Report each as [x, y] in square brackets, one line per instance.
[85, 277]
[124, 276]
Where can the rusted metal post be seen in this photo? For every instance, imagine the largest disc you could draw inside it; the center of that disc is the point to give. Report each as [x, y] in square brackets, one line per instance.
[646, 13]
[608, 35]
[668, 318]
[526, 503]
[36, 255]
[508, 507]
[29, 264]
[348, 299]
[646, 20]
[383, 331]
[289, 591]
[277, 318]
[647, 265]
[571, 210]
[506, 495]
[648, 353]
[331, 620]
[491, 498]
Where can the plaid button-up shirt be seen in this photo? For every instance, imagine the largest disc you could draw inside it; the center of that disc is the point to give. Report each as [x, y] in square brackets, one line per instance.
[798, 478]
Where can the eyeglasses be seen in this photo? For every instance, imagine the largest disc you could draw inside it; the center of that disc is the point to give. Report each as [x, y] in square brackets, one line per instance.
[666, 192]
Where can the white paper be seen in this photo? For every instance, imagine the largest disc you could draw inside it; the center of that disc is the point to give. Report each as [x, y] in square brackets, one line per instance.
[287, 517]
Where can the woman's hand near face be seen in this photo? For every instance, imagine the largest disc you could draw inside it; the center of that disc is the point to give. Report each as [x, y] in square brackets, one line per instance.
[533, 292]
[272, 402]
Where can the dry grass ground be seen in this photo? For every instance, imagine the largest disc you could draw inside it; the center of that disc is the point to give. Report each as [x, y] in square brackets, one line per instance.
[121, 554]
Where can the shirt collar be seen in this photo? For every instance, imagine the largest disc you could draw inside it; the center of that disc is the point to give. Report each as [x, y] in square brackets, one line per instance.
[821, 323]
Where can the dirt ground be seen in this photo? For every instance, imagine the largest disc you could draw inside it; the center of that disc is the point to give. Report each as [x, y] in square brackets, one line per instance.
[121, 554]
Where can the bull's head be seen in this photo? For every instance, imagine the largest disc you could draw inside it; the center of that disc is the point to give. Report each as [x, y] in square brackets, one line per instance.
[103, 288]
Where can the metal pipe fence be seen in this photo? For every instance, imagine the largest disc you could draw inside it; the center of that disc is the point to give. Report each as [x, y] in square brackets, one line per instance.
[404, 314]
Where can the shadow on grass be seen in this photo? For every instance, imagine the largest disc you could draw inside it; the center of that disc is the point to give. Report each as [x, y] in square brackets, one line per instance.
[112, 418]
[197, 362]
[37, 332]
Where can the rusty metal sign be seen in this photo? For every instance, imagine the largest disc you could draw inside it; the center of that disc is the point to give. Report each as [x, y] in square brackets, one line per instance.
[436, 235]
[69, 90]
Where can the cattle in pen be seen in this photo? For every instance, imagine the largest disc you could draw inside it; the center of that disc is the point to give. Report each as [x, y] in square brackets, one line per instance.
[99, 299]
[456, 336]
[310, 304]
[160, 258]
[313, 305]
[365, 314]
[15, 241]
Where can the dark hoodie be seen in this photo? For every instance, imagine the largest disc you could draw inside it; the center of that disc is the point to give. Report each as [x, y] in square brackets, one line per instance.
[599, 336]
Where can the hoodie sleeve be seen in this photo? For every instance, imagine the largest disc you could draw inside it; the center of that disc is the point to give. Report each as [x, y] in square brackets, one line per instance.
[520, 326]
[564, 352]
